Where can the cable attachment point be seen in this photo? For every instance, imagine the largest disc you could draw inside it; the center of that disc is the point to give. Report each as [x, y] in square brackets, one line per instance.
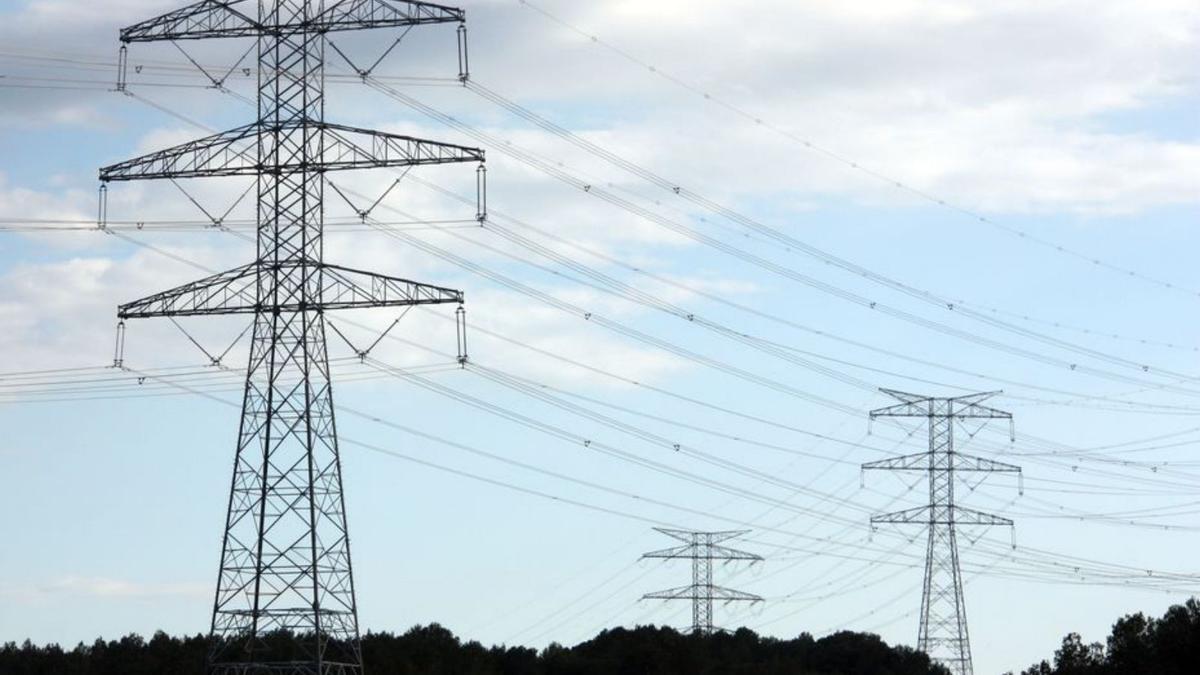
[122, 68]
[102, 208]
[460, 320]
[119, 347]
[464, 66]
[481, 193]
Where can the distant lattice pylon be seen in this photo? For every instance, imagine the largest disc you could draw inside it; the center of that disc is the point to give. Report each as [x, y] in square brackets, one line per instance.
[702, 548]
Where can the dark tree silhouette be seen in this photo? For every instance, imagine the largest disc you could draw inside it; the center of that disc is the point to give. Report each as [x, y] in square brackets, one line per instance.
[1137, 646]
[433, 650]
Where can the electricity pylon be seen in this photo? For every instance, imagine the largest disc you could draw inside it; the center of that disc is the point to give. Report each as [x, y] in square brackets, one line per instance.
[943, 633]
[702, 549]
[285, 601]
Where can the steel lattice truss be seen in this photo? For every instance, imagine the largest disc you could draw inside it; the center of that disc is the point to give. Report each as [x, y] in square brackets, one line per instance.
[285, 600]
[943, 633]
[702, 548]
[239, 18]
[332, 147]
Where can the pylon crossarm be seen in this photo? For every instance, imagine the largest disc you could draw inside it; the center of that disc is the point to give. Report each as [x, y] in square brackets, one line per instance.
[920, 462]
[963, 516]
[235, 292]
[927, 515]
[346, 288]
[970, 410]
[917, 462]
[905, 397]
[689, 537]
[356, 14]
[209, 18]
[730, 595]
[694, 592]
[676, 553]
[690, 552]
[229, 153]
[330, 147]
[913, 409]
[972, 463]
[919, 514]
[353, 148]
[683, 592]
[223, 19]
[230, 292]
[916, 405]
[724, 553]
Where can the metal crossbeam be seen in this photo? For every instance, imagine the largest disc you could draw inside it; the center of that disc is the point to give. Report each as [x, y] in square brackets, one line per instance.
[702, 593]
[234, 292]
[326, 147]
[959, 462]
[929, 515]
[235, 19]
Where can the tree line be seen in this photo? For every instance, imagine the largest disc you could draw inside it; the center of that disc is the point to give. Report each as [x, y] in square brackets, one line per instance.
[434, 650]
[1137, 645]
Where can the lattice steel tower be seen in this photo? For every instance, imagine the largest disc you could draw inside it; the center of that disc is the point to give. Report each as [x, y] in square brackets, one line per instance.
[702, 548]
[285, 598]
[943, 633]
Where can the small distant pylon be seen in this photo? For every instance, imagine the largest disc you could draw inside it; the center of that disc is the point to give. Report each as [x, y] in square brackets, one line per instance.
[943, 634]
[702, 548]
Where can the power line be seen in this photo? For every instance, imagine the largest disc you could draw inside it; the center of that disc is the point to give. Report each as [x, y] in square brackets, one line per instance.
[855, 165]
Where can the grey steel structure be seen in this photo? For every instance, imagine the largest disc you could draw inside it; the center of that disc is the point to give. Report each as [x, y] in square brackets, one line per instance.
[943, 633]
[285, 601]
[702, 548]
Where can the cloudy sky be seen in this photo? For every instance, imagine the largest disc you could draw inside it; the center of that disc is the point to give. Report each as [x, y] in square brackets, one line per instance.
[930, 196]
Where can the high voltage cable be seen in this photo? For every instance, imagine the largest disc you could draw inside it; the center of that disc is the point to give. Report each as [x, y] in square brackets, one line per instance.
[697, 402]
[871, 304]
[1044, 322]
[377, 419]
[611, 285]
[845, 161]
[799, 277]
[1074, 568]
[193, 123]
[524, 289]
[580, 440]
[524, 112]
[618, 327]
[765, 230]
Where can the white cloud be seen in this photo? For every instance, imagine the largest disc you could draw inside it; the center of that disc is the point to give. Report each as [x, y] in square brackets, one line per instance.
[77, 586]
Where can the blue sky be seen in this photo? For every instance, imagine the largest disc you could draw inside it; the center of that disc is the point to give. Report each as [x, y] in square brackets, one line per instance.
[1076, 126]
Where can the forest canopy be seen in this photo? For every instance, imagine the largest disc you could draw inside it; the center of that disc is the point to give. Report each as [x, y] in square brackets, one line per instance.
[434, 650]
[1137, 645]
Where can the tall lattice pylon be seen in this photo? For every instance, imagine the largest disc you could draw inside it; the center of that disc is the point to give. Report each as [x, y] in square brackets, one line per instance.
[943, 634]
[702, 548]
[285, 599]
